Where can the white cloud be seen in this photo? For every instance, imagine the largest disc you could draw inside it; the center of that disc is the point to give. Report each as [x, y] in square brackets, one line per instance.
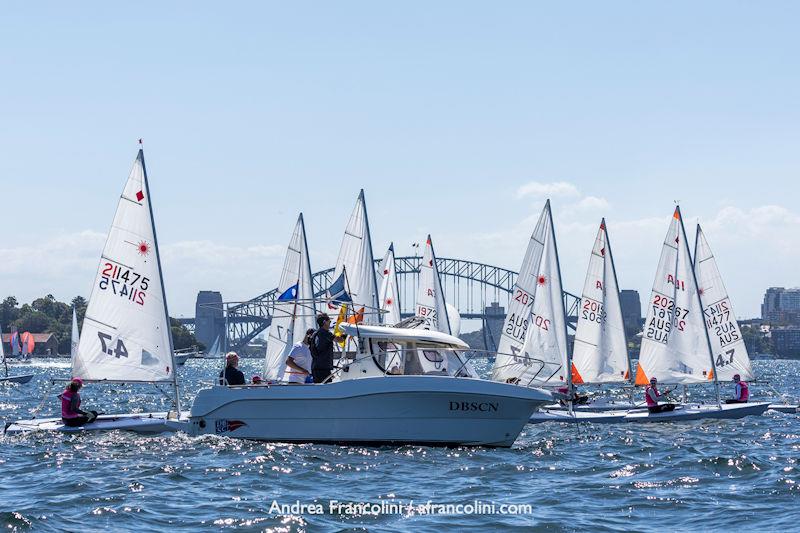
[536, 189]
[65, 266]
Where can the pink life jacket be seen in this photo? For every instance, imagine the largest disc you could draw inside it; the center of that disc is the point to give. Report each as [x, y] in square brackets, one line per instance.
[66, 400]
[744, 391]
[650, 402]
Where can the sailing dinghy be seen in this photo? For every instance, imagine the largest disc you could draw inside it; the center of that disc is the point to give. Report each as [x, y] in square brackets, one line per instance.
[22, 378]
[126, 334]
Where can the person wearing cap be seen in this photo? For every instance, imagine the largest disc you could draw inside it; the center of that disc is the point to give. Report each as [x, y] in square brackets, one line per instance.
[231, 375]
[71, 413]
[322, 351]
[256, 380]
[651, 397]
[298, 362]
[742, 392]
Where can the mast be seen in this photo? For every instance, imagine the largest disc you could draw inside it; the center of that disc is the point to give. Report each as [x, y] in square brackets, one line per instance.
[307, 263]
[631, 376]
[374, 285]
[438, 282]
[700, 301]
[568, 370]
[163, 291]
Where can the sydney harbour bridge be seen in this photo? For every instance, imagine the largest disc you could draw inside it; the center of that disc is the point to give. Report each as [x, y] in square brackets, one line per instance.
[479, 292]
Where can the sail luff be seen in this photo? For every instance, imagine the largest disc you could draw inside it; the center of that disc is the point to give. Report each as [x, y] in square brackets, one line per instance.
[163, 290]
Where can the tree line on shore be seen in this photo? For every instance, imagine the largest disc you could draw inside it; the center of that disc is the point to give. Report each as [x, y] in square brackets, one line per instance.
[48, 315]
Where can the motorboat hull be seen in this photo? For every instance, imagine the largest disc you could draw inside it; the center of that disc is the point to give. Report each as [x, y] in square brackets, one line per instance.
[139, 422]
[427, 410]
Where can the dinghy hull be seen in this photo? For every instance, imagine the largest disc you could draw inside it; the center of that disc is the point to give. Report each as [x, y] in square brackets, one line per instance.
[698, 412]
[25, 378]
[429, 410]
[594, 417]
[140, 423]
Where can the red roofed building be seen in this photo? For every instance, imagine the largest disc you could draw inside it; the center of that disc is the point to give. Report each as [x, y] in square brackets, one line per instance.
[46, 344]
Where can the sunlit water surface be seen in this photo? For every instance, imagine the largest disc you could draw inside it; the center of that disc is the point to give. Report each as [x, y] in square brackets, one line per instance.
[697, 475]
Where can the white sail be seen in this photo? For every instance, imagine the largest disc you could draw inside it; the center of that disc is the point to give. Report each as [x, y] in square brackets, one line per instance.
[510, 362]
[355, 257]
[294, 311]
[600, 352]
[727, 342]
[675, 345]
[126, 333]
[430, 297]
[214, 352]
[389, 293]
[75, 338]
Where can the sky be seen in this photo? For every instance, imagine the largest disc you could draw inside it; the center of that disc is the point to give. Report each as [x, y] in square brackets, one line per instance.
[457, 118]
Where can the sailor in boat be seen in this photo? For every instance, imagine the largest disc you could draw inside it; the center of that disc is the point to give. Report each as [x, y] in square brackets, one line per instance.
[231, 375]
[71, 413]
[742, 391]
[651, 397]
[574, 397]
[256, 380]
[322, 350]
[298, 362]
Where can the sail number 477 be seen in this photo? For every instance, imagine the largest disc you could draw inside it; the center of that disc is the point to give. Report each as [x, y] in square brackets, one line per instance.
[105, 342]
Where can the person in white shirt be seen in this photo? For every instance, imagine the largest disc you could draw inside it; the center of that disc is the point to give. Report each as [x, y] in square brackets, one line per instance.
[298, 362]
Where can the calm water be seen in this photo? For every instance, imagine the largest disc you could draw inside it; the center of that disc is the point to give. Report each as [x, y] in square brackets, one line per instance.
[616, 477]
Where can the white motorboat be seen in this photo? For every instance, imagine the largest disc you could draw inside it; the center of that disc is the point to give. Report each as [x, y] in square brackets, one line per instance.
[126, 335]
[384, 395]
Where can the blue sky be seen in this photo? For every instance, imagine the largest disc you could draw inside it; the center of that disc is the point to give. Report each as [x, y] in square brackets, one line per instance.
[458, 118]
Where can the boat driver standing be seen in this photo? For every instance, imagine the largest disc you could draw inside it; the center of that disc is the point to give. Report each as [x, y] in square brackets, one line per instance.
[322, 350]
[651, 396]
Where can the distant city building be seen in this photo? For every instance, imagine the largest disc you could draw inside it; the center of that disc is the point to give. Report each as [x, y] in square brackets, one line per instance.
[786, 341]
[209, 320]
[781, 305]
[631, 311]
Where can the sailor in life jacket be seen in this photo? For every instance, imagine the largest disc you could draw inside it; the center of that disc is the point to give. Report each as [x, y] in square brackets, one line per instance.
[71, 413]
[651, 397]
[742, 392]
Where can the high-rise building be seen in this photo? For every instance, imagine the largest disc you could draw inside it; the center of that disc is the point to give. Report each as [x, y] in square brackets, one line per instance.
[631, 311]
[786, 341]
[781, 305]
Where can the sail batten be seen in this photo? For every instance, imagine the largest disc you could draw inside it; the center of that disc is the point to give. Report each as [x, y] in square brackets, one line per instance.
[127, 336]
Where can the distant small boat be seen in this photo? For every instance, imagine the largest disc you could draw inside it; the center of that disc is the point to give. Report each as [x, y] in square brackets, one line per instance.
[23, 378]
